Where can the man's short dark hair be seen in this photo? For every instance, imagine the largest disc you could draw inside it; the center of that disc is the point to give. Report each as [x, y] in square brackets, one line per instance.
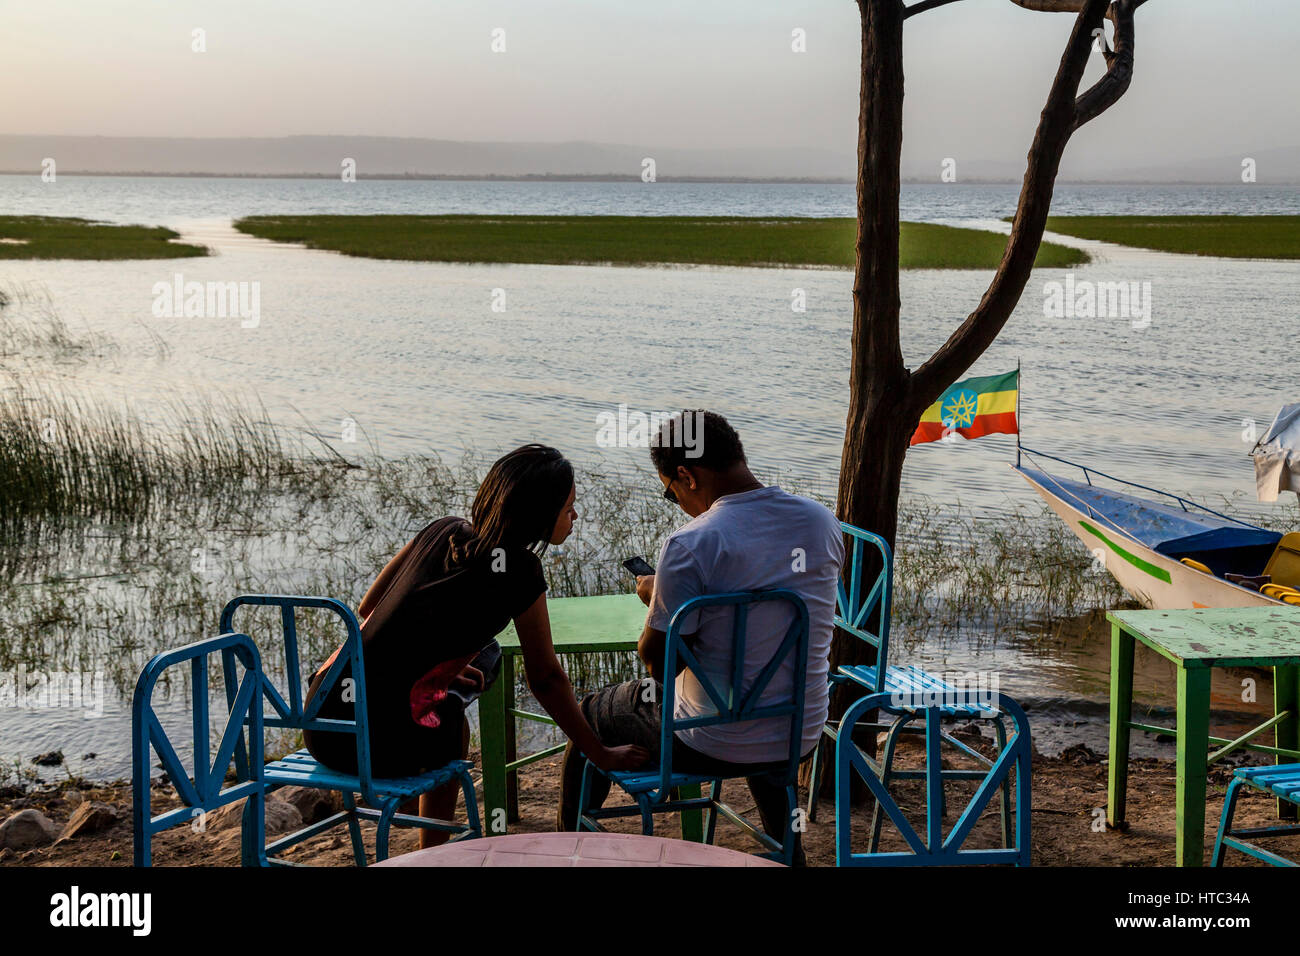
[704, 440]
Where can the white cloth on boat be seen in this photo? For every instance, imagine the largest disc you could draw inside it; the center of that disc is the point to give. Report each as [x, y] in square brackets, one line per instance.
[1277, 455]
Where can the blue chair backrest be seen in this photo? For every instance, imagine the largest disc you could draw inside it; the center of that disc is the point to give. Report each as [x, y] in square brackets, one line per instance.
[737, 702]
[200, 786]
[855, 604]
[295, 713]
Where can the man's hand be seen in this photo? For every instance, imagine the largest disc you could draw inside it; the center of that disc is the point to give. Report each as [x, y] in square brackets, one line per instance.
[469, 680]
[626, 757]
[645, 588]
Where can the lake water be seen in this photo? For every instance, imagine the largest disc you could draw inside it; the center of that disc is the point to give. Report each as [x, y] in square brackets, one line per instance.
[415, 354]
[173, 201]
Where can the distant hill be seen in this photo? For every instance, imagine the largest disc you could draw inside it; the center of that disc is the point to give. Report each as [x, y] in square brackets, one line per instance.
[392, 156]
[386, 156]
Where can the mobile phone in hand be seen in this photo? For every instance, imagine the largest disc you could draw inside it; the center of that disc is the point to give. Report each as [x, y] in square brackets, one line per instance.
[488, 661]
[638, 566]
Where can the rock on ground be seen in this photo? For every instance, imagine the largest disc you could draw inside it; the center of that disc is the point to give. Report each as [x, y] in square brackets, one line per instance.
[280, 816]
[314, 805]
[27, 829]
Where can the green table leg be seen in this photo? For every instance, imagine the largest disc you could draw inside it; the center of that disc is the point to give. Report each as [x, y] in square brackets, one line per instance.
[692, 820]
[1121, 707]
[1193, 745]
[507, 678]
[492, 717]
[1286, 696]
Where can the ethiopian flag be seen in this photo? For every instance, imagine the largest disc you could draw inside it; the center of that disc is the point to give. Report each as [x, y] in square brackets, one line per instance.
[975, 407]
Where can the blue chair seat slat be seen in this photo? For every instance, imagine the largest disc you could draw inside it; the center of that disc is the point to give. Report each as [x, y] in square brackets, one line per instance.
[298, 756]
[908, 680]
[1281, 780]
[643, 781]
[302, 768]
[1270, 775]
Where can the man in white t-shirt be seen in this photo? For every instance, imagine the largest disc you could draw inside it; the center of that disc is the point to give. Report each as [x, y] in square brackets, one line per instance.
[743, 536]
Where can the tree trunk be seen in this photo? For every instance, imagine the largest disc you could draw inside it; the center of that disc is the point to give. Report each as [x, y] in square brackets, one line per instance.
[879, 422]
[885, 398]
[877, 427]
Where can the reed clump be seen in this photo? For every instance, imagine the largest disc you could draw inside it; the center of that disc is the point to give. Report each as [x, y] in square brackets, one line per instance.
[65, 456]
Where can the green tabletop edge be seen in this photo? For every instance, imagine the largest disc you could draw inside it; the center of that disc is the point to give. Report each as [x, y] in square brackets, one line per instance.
[1217, 637]
[604, 622]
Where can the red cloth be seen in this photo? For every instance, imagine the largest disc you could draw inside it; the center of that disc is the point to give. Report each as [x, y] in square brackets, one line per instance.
[431, 690]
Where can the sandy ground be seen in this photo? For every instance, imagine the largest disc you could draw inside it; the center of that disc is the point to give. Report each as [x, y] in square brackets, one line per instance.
[1069, 793]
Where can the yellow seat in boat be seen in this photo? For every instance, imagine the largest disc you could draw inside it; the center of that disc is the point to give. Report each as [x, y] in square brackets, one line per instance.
[1284, 566]
[1291, 599]
[1195, 565]
[1279, 591]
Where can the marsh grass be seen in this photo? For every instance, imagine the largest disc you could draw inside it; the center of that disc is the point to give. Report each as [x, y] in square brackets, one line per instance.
[1240, 237]
[782, 242]
[64, 455]
[993, 571]
[59, 237]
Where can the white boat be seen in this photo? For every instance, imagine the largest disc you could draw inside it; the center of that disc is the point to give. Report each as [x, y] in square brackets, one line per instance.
[1169, 553]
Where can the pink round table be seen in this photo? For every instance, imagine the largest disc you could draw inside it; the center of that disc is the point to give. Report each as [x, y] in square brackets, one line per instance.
[575, 849]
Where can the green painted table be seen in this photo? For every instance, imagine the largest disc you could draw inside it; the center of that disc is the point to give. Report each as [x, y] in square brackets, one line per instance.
[581, 625]
[1196, 641]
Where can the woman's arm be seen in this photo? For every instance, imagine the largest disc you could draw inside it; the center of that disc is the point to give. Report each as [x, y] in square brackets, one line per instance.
[372, 596]
[376, 590]
[550, 685]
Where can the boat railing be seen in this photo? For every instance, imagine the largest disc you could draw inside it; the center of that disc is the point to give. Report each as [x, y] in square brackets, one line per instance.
[1088, 472]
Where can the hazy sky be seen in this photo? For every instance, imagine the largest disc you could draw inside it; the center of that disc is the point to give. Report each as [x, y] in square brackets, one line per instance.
[1214, 77]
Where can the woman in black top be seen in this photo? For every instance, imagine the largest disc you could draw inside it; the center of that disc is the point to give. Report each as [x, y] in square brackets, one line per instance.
[441, 600]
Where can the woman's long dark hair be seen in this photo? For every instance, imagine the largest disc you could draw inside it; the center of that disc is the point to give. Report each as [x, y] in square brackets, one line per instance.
[517, 504]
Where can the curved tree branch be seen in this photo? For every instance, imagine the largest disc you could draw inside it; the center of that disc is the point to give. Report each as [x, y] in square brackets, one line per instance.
[924, 5]
[1051, 6]
[1060, 6]
[1103, 94]
[1060, 117]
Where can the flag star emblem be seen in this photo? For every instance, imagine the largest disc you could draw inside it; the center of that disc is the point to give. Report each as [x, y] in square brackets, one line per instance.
[958, 409]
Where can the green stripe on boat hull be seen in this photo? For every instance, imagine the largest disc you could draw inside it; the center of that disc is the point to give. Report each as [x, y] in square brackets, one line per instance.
[1158, 573]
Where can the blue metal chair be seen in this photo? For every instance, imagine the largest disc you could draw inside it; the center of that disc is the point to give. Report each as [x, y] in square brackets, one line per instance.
[1281, 780]
[201, 789]
[854, 610]
[382, 797]
[652, 789]
[935, 849]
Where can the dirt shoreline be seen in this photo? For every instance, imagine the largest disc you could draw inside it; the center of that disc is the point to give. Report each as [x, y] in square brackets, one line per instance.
[1069, 797]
